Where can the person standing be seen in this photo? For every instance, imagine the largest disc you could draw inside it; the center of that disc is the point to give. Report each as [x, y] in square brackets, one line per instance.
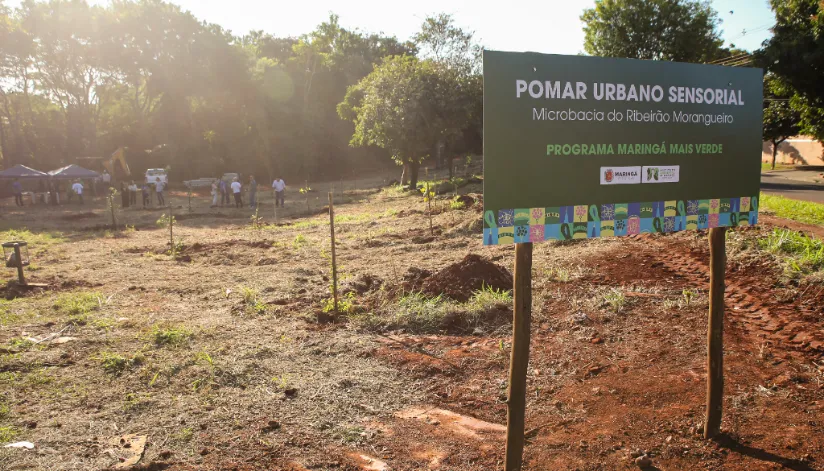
[236, 190]
[279, 186]
[159, 191]
[147, 200]
[107, 180]
[224, 192]
[18, 192]
[215, 191]
[252, 192]
[77, 189]
[133, 194]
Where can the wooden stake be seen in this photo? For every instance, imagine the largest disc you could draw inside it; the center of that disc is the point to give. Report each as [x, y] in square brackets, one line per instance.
[516, 403]
[111, 205]
[715, 333]
[334, 260]
[171, 230]
[21, 278]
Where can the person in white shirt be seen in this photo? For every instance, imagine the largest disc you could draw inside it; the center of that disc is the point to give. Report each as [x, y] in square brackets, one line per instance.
[279, 186]
[159, 191]
[77, 188]
[133, 194]
[236, 191]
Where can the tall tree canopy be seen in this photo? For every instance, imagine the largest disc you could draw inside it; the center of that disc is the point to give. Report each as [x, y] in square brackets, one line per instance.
[80, 80]
[672, 30]
[781, 120]
[795, 54]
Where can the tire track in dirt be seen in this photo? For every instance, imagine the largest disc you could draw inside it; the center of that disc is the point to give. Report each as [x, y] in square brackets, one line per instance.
[765, 321]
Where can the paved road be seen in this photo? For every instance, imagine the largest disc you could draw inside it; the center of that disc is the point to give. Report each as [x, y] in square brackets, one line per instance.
[775, 183]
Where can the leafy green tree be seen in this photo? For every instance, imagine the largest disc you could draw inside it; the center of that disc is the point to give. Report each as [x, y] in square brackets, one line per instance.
[671, 30]
[781, 120]
[795, 54]
[398, 107]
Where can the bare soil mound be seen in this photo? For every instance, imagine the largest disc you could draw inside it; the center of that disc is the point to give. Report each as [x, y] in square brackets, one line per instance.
[459, 280]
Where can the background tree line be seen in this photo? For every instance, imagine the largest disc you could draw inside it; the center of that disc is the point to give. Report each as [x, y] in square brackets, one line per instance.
[689, 31]
[79, 80]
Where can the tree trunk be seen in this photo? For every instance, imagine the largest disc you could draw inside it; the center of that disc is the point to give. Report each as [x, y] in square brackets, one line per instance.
[775, 152]
[404, 174]
[413, 175]
[450, 161]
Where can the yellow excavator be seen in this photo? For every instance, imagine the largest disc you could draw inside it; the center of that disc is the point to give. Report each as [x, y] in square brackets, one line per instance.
[116, 165]
[121, 171]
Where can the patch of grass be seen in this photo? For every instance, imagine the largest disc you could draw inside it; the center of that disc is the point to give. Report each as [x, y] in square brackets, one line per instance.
[253, 304]
[9, 314]
[300, 241]
[115, 364]
[134, 401]
[7, 434]
[78, 305]
[417, 312]
[456, 205]
[766, 166]
[615, 299]
[19, 343]
[184, 435]
[803, 254]
[170, 335]
[346, 304]
[36, 240]
[5, 411]
[801, 211]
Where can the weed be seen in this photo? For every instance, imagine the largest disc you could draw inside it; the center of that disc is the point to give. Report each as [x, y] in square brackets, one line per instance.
[7, 434]
[281, 382]
[456, 205]
[346, 304]
[78, 305]
[134, 401]
[256, 221]
[300, 241]
[688, 296]
[250, 298]
[805, 253]
[616, 299]
[113, 363]
[171, 336]
[20, 344]
[4, 409]
[185, 435]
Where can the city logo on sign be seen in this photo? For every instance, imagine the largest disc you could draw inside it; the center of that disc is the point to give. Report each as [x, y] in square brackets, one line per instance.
[620, 175]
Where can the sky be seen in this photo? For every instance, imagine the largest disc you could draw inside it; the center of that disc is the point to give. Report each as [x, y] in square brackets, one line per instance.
[550, 26]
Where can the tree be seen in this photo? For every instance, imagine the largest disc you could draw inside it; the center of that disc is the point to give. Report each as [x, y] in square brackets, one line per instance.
[442, 41]
[671, 30]
[780, 118]
[795, 54]
[399, 107]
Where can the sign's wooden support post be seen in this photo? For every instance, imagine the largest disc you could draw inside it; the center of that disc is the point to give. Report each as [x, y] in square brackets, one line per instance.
[334, 260]
[516, 402]
[111, 205]
[715, 333]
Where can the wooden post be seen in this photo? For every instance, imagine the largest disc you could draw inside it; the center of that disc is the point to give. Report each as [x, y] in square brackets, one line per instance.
[190, 199]
[334, 260]
[715, 333]
[516, 403]
[21, 278]
[111, 204]
[171, 229]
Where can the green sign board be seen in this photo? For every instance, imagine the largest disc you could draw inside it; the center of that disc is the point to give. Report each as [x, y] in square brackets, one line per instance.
[581, 147]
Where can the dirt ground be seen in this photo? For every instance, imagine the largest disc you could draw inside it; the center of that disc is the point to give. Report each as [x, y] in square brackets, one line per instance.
[220, 356]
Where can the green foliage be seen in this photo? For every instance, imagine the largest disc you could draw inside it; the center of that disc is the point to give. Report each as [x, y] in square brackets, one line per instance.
[299, 241]
[250, 298]
[781, 120]
[806, 254]
[346, 304]
[802, 211]
[78, 305]
[456, 205]
[671, 30]
[616, 299]
[115, 364]
[794, 54]
[8, 433]
[171, 335]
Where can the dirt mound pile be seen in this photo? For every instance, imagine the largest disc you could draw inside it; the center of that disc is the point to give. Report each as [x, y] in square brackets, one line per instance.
[459, 280]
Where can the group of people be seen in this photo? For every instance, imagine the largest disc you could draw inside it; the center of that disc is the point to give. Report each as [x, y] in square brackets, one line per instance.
[129, 193]
[221, 189]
